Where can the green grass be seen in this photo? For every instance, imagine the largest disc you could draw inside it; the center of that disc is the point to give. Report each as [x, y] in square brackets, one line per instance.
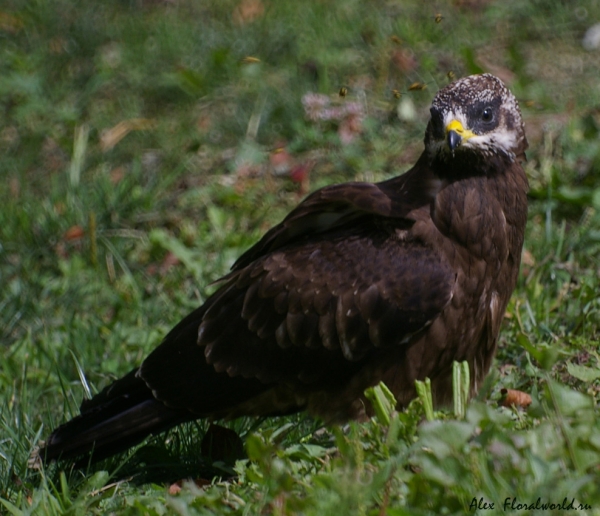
[82, 302]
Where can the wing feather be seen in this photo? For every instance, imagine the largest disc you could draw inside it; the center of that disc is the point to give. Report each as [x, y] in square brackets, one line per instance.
[318, 308]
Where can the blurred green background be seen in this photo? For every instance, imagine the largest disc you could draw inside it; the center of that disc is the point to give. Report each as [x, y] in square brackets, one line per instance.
[144, 145]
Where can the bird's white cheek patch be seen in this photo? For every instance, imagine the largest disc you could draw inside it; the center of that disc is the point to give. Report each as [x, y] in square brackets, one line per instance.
[498, 139]
[505, 139]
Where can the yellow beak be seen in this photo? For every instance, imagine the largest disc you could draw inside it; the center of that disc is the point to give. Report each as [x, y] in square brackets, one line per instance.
[456, 134]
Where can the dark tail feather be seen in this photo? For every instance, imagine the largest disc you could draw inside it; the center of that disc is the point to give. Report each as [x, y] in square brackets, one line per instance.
[119, 417]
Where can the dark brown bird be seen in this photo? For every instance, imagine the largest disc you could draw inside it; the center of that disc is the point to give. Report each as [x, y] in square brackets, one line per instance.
[361, 282]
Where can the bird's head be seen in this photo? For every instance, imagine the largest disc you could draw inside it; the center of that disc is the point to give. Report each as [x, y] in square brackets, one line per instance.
[475, 116]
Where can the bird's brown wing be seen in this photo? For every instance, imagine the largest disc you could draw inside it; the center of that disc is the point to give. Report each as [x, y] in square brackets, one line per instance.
[338, 205]
[306, 307]
[321, 211]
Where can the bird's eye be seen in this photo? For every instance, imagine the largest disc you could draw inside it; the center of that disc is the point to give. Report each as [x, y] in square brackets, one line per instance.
[487, 115]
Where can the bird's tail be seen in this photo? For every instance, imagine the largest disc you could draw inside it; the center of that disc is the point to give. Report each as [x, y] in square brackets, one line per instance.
[119, 417]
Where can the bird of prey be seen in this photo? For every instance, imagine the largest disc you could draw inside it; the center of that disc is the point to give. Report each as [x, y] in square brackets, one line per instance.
[360, 283]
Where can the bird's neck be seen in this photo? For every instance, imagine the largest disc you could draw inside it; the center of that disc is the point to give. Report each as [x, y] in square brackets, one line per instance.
[485, 214]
